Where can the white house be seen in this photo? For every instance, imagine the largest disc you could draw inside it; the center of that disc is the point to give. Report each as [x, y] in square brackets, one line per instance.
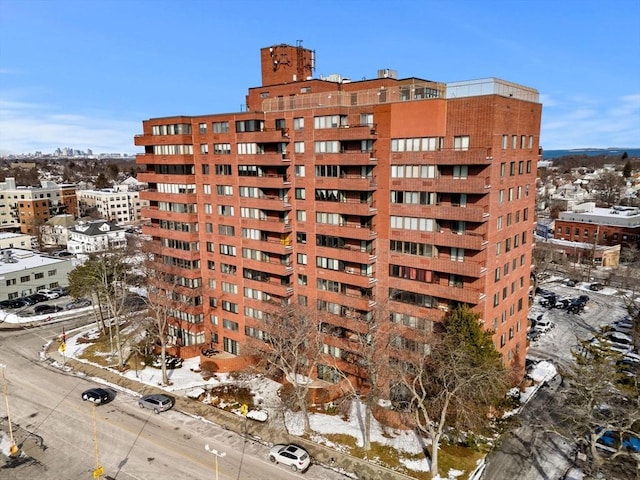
[96, 236]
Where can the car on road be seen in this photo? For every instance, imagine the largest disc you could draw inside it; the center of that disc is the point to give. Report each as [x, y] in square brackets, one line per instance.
[44, 308]
[50, 294]
[291, 455]
[156, 402]
[96, 395]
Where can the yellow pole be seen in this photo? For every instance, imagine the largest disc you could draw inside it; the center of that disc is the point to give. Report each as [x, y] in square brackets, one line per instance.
[12, 447]
[97, 472]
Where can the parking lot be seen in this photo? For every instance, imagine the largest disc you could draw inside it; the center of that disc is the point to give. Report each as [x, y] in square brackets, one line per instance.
[604, 307]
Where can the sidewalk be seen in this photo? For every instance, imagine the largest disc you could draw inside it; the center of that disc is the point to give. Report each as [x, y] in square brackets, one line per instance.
[258, 431]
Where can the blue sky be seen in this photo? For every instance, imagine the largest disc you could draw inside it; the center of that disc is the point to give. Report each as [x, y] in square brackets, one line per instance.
[85, 73]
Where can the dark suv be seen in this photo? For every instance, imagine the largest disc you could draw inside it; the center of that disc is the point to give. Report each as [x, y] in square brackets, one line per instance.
[596, 287]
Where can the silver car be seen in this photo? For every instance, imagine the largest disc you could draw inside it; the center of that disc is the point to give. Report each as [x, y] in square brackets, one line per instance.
[156, 402]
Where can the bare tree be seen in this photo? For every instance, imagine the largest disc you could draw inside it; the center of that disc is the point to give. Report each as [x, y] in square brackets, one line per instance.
[292, 346]
[608, 188]
[456, 382]
[161, 300]
[371, 367]
[597, 400]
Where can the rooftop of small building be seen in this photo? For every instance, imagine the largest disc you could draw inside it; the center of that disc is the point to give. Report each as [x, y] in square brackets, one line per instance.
[14, 259]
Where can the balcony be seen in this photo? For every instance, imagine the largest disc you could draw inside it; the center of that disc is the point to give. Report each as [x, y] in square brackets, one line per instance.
[153, 195]
[475, 156]
[445, 292]
[349, 276]
[279, 247]
[347, 182]
[348, 230]
[445, 212]
[347, 207]
[346, 158]
[472, 184]
[149, 140]
[268, 159]
[266, 202]
[151, 158]
[350, 301]
[267, 135]
[270, 287]
[269, 180]
[347, 254]
[152, 177]
[273, 267]
[154, 212]
[267, 224]
[467, 268]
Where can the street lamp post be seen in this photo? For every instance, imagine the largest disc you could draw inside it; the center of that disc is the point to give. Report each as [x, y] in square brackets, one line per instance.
[217, 454]
[13, 449]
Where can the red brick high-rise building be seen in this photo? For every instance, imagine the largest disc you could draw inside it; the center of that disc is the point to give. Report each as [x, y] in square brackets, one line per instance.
[345, 195]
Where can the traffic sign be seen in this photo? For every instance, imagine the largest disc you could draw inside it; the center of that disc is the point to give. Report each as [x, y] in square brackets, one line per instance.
[244, 409]
[62, 348]
[98, 472]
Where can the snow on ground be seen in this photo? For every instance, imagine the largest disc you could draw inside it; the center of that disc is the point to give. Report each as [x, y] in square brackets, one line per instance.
[189, 381]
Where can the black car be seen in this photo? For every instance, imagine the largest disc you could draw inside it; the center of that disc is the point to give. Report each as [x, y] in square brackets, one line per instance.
[15, 303]
[596, 287]
[35, 298]
[96, 395]
[42, 309]
[571, 283]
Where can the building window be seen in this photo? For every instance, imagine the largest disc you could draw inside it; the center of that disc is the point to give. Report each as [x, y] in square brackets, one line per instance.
[298, 147]
[300, 194]
[301, 215]
[520, 167]
[223, 169]
[514, 142]
[460, 171]
[461, 142]
[222, 148]
[202, 128]
[302, 258]
[503, 169]
[204, 148]
[299, 170]
[298, 123]
[229, 325]
[505, 142]
[231, 346]
[301, 237]
[302, 279]
[457, 254]
[220, 127]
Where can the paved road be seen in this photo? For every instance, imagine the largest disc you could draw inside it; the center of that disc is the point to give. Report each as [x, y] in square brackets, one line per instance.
[55, 429]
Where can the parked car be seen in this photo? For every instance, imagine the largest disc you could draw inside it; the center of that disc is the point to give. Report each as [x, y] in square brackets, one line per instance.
[596, 287]
[15, 303]
[79, 303]
[96, 395]
[44, 308]
[50, 294]
[156, 402]
[612, 439]
[61, 291]
[291, 455]
[544, 325]
[571, 283]
[533, 335]
[33, 299]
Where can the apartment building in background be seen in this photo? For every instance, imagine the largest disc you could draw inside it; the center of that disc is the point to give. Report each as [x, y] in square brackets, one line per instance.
[345, 196]
[121, 203]
[27, 208]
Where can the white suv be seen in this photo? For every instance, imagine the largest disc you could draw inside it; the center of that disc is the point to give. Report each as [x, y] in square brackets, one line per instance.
[50, 294]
